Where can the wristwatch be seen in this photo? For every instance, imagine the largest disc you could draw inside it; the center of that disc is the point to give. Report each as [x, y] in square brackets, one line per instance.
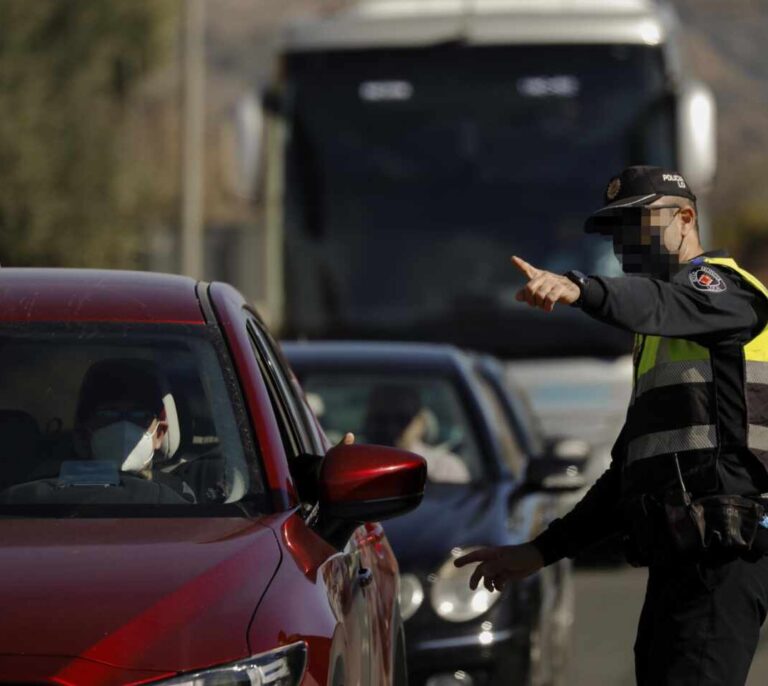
[581, 281]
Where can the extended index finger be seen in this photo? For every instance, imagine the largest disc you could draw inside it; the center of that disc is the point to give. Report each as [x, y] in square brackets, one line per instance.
[528, 269]
[482, 555]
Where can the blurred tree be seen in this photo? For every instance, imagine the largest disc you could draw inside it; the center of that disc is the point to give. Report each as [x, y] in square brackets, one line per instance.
[71, 192]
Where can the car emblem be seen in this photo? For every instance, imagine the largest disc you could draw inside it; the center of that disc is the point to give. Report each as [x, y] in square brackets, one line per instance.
[613, 188]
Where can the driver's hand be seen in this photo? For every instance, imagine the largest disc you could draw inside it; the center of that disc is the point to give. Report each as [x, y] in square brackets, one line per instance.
[349, 439]
[545, 289]
[502, 564]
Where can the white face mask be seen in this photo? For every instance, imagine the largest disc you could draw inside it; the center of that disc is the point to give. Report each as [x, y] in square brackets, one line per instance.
[125, 443]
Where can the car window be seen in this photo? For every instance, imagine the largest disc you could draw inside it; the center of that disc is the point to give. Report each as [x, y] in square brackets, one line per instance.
[102, 415]
[314, 442]
[423, 414]
[304, 427]
[314, 430]
[526, 421]
[511, 450]
[293, 433]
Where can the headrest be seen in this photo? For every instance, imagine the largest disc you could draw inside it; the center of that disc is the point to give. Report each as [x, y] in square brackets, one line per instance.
[172, 438]
[432, 426]
[18, 428]
[18, 418]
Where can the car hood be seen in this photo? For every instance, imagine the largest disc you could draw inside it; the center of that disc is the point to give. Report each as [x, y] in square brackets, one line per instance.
[140, 594]
[450, 516]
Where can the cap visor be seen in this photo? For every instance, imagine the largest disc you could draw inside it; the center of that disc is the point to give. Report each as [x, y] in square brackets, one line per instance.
[600, 221]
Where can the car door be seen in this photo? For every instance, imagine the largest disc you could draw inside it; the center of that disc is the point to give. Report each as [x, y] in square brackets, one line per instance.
[355, 589]
[378, 566]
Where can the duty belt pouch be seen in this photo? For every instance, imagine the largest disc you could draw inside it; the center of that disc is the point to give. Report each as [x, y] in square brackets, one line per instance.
[686, 524]
[731, 521]
[713, 523]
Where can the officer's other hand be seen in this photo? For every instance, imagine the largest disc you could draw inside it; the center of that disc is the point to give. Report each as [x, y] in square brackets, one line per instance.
[544, 289]
[348, 439]
[502, 564]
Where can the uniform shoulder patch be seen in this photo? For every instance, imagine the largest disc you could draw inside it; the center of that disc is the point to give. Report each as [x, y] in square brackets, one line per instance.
[704, 278]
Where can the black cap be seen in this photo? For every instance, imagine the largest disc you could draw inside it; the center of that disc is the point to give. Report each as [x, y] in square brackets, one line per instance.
[120, 380]
[636, 187]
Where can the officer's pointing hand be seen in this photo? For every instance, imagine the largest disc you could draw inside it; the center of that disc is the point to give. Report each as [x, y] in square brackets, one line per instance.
[502, 564]
[544, 289]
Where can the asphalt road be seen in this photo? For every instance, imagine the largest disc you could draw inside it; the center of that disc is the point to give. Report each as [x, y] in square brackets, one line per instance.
[608, 605]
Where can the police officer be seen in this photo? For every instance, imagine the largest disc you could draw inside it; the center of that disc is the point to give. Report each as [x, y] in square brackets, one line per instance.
[691, 461]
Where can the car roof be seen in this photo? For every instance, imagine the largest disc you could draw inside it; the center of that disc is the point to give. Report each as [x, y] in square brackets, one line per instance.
[427, 357]
[58, 295]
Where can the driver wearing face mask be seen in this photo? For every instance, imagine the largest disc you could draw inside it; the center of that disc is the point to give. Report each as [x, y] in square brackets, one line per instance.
[121, 419]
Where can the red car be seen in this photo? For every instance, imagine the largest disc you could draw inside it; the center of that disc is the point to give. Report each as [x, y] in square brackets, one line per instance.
[170, 511]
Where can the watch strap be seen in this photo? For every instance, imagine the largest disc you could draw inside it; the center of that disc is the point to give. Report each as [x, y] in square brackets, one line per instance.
[580, 279]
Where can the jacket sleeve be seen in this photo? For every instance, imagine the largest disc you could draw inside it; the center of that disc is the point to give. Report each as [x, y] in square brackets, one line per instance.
[594, 518]
[680, 308]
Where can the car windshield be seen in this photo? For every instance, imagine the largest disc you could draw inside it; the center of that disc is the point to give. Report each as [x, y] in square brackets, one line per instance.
[438, 163]
[419, 413]
[136, 417]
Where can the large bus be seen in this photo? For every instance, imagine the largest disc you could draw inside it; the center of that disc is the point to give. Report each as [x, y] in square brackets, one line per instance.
[412, 146]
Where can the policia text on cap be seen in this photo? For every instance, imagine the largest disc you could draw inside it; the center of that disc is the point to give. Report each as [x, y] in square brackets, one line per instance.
[691, 461]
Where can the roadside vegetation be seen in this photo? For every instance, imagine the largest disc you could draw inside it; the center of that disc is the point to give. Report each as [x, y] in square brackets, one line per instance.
[73, 187]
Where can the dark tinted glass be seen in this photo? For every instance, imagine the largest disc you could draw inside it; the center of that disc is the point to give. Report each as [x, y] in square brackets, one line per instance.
[414, 174]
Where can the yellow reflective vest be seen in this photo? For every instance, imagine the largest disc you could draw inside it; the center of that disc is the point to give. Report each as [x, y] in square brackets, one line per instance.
[685, 370]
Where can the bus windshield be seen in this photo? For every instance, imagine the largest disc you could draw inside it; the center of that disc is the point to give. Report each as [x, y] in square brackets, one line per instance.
[413, 174]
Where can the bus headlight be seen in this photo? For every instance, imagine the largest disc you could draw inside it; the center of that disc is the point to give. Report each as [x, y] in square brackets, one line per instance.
[453, 599]
[411, 595]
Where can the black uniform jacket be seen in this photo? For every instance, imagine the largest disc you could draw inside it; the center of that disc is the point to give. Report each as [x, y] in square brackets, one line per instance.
[721, 320]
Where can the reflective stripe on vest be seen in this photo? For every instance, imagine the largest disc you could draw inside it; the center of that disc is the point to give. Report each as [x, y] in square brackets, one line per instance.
[675, 441]
[666, 362]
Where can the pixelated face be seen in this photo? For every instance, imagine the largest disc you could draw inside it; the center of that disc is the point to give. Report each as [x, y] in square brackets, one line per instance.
[639, 240]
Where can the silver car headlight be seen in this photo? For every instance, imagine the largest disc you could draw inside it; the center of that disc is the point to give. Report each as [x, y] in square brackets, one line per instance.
[452, 598]
[411, 595]
[281, 667]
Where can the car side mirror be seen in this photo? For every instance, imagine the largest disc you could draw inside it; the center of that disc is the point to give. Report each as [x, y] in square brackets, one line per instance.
[554, 475]
[362, 483]
[569, 449]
